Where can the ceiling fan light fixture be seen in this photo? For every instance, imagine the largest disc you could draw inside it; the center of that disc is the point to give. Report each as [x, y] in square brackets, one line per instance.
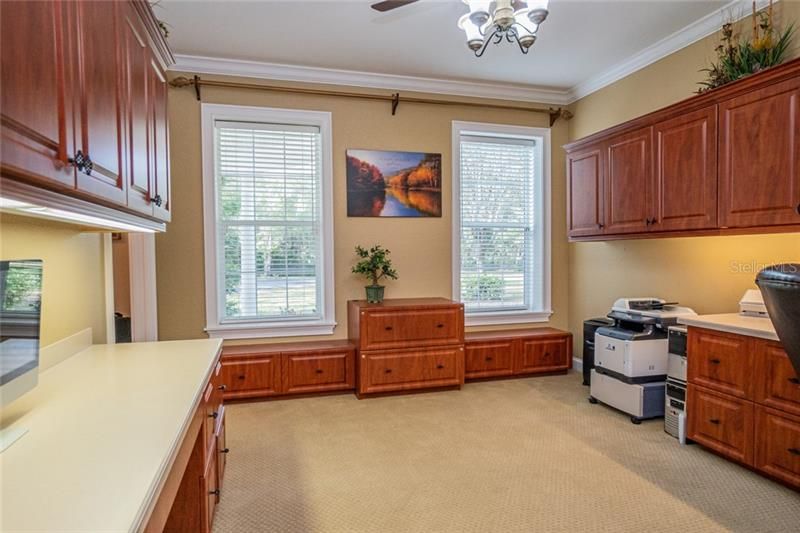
[525, 29]
[473, 31]
[537, 11]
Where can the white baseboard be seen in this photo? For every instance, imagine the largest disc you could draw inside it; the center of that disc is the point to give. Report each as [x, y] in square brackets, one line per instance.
[577, 364]
[52, 354]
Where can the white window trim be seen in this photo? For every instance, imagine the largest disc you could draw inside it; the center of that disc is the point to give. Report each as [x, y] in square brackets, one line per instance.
[501, 130]
[210, 113]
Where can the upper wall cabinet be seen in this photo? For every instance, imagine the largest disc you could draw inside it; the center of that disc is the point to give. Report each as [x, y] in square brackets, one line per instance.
[726, 161]
[84, 102]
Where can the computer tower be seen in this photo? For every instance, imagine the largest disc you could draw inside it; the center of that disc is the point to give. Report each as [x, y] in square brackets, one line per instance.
[589, 328]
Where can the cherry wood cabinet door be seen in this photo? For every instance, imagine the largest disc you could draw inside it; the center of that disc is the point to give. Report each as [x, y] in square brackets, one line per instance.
[317, 371]
[95, 30]
[138, 114]
[777, 383]
[721, 361]
[778, 445]
[35, 113]
[629, 182]
[159, 142]
[585, 191]
[685, 194]
[251, 376]
[541, 356]
[760, 157]
[489, 358]
[721, 422]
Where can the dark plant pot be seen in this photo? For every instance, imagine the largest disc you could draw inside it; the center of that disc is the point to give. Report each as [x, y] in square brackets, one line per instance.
[374, 293]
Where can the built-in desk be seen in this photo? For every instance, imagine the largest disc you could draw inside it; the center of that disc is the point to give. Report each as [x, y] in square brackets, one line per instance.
[105, 429]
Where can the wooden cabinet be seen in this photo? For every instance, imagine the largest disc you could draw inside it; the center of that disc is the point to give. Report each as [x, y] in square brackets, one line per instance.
[760, 157]
[36, 137]
[517, 352]
[724, 162]
[586, 192]
[251, 376]
[685, 192]
[746, 407]
[407, 344]
[262, 371]
[629, 182]
[84, 104]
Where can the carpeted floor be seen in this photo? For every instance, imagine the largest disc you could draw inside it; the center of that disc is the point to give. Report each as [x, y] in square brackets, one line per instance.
[498, 456]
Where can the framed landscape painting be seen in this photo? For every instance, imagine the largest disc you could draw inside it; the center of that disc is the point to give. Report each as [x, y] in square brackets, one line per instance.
[393, 184]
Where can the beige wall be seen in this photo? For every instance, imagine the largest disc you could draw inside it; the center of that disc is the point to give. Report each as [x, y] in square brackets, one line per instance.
[73, 294]
[706, 273]
[420, 246]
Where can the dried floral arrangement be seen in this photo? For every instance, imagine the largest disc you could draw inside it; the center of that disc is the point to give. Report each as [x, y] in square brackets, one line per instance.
[738, 57]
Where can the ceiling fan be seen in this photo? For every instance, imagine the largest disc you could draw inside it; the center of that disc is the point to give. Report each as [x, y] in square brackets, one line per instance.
[388, 5]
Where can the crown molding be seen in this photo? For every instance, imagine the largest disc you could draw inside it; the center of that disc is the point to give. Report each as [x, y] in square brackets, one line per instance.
[353, 78]
[682, 38]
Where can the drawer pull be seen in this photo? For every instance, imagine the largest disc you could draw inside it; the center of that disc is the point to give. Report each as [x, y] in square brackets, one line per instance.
[319, 371]
[389, 328]
[793, 451]
[440, 366]
[214, 492]
[796, 381]
[439, 325]
[213, 415]
[241, 376]
[489, 358]
[225, 450]
[222, 387]
[714, 421]
[388, 370]
[714, 361]
[547, 354]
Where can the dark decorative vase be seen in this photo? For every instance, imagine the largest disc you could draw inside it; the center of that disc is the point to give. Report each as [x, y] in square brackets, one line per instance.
[374, 293]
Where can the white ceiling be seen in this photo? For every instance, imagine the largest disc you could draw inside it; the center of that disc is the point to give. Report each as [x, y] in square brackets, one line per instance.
[580, 40]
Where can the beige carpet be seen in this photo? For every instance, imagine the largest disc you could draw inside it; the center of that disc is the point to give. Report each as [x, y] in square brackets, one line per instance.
[514, 455]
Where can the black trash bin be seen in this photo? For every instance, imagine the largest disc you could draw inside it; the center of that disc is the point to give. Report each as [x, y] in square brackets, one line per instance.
[589, 328]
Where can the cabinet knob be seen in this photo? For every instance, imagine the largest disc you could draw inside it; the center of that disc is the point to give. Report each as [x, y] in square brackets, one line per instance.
[157, 200]
[225, 450]
[214, 492]
[388, 370]
[714, 421]
[793, 451]
[796, 381]
[319, 371]
[213, 415]
[389, 328]
[222, 387]
[798, 209]
[714, 361]
[546, 354]
[241, 376]
[439, 325]
[600, 225]
[440, 366]
[82, 163]
[489, 358]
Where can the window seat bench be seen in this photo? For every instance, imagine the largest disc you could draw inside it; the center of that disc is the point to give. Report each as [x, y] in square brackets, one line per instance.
[519, 352]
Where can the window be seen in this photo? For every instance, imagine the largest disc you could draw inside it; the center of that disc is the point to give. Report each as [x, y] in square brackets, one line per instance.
[268, 222]
[501, 237]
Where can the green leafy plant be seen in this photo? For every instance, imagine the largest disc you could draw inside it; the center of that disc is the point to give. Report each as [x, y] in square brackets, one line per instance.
[738, 58]
[374, 264]
[484, 288]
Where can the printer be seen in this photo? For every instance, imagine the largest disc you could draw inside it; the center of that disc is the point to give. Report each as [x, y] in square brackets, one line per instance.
[631, 356]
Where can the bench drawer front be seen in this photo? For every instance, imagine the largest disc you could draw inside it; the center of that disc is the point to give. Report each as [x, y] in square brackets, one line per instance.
[778, 383]
[317, 372]
[487, 359]
[382, 329]
[250, 377]
[542, 355]
[411, 369]
[721, 422]
[722, 362]
[778, 445]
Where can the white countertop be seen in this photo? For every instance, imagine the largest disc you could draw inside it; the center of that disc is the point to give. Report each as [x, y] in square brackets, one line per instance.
[734, 323]
[104, 427]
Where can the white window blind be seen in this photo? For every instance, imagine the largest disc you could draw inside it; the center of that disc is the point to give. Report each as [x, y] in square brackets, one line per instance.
[268, 181]
[501, 241]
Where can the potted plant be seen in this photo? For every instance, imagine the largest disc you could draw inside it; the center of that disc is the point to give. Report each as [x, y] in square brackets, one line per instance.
[374, 264]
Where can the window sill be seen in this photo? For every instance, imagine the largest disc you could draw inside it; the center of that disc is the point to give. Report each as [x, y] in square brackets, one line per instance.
[506, 318]
[255, 330]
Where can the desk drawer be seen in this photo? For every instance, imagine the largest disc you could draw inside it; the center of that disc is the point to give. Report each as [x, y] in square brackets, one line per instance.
[251, 376]
[778, 445]
[316, 372]
[405, 328]
[778, 384]
[401, 370]
[542, 356]
[722, 423]
[491, 358]
[722, 362]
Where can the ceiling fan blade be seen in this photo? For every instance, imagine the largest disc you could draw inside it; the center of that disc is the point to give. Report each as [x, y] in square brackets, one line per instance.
[388, 5]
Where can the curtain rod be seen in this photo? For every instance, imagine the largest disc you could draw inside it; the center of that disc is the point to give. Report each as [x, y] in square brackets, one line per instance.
[197, 83]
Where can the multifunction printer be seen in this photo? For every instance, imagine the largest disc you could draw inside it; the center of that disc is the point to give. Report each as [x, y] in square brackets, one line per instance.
[631, 356]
